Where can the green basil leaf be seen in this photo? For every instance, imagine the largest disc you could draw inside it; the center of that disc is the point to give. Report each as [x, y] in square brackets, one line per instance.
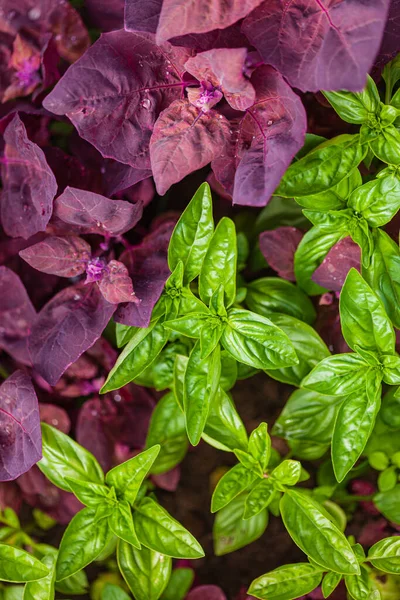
[363, 317]
[145, 571]
[168, 429]
[179, 378]
[377, 200]
[233, 483]
[249, 462]
[332, 219]
[128, 477]
[138, 354]
[76, 585]
[330, 583]
[200, 386]
[315, 534]
[113, 592]
[219, 266]
[90, 494]
[288, 472]
[354, 424]
[323, 168]
[256, 341]
[121, 523]
[260, 445]
[360, 233]
[335, 198]
[287, 582]
[62, 457]
[209, 338]
[86, 536]
[179, 584]
[260, 496]
[359, 586]
[272, 294]
[43, 589]
[338, 375]
[229, 371]
[355, 107]
[386, 146]
[189, 325]
[124, 334]
[391, 369]
[18, 566]
[224, 428]
[388, 503]
[231, 532]
[391, 75]
[157, 530]
[385, 555]
[387, 479]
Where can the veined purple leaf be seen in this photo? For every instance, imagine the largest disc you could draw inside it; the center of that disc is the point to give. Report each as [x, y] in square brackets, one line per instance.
[334, 268]
[66, 327]
[142, 16]
[319, 44]
[184, 140]
[231, 37]
[206, 592]
[148, 267]
[93, 213]
[116, 285]
[263, 142]
[16, 316]
[119, 176]
[179, 17]
[224, 68]
[20, 435]
[63, 256]
[278, 247]
[115, 92]
[29, 185]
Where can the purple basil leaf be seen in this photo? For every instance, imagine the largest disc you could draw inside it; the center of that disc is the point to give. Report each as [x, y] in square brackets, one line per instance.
[391, 36]
[278, 247]
[183, 141]
[223, 67]
[106, 15]
[93, 213]
[148, 267]
[205, 96]
[93, 429]
[142, 16]
[29, 185]
[334, 268]
[116, 285]
[322, 45]
[179, 17]
[67, 326]
[55, 416]
[63, 256]
[231, 37]
[16, 316]
[20, 435]
[115, 92]
[206, 592]
[119, 176]
[263, 143]
[168, 481]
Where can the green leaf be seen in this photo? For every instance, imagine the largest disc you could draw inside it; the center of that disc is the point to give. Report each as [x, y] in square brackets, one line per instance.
[179, 584]
[75, 585]
[62, 457]
[124, 334]
[391, 369]
[355, 107]
[260, 496]
[287, 582]
[140, 352]
[330, 583]
[359, 586]
[256, 341]
[168, 429]
[231, 531]
[157, 530]
[386, 146]
[388, 503]
[209, 337]
[18, 566]
[229, 371]
[363, 318]
[121, 523]
[249, 462]
[233, 483]
[219, 266]
[335, 198]
[128, 477]
[179, 378]
[192, 234]
[260, 445]
[145, 571]
[338, 375]
[189, 325]
[200, 387]
[377, 200]
[315, 534]
[272, 294]
[90, 494]
[43, 589]
[391, 75]
[354, 424]
[224, 428]
[86, 536]
[385, 555]
[113, 592]
[323, 168]
[287, 473]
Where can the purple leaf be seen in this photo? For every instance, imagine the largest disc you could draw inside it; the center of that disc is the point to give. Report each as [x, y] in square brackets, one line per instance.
[24, 65]
[93, 213]
[63, 256]
[66, 327]
[55, 416]
[319, 44]
[148, 267]
[168, 481]
[278, 247]
[106, 15]
[16, 316]
[93, 431]
[206, 592]
[231, 37]
[334, 268]
[184, 140]
[116, 285]
[263, 142]
[223, 67]
[119, 176]
[20, 435]
[391, 36]
[179, 17]
[115, 92]
[142, 16]
[204, 97]
[29, 185]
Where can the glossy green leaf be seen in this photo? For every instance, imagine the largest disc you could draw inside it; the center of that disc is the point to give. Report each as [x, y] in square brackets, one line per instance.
[157, 530]
[179, 584]
[315, 534]
[259, 497]
[63, 457]
[179, 378]
[272, 294]
[386, 146]
[334, 198]
[385, 555]
[18, 566]
[250, 463]
[75, 585]
[209, 337]
[219, 266]
[128, 477]
[355, 107]
[113, 592]
[330, 583]
[229, 371]
[189, 325]
[233, 483]
[287, 582]
[121, 523]
[43, 589]
[288, 472]
[224, 428]
[359, 586]
[124, 333]
[145, 571]
[391, 369]
[377, 200]
[260, 445]
[388, 503]
[90, 494]
[338, 375]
